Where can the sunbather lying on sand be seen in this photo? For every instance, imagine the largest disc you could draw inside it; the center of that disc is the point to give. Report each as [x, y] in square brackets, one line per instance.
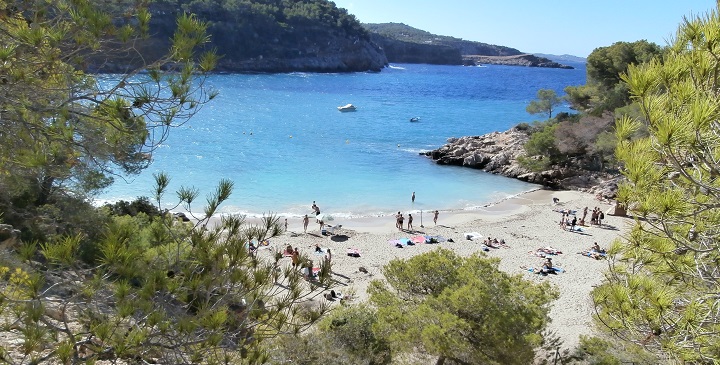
[544, 251]
[545, 268]
[595, 252]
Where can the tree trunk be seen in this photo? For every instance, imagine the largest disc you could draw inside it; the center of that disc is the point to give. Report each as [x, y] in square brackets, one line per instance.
[440, 360]
[45, 190]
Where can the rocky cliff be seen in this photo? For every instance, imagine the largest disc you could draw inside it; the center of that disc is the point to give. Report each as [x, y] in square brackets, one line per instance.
[498, 153]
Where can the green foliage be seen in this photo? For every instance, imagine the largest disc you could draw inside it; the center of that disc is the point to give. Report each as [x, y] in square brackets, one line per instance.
[460, 309]
[599, 351]
[662, 292]
[246, 29]
[605, 90]
[199, 296]
[542, 142]
[535, 163]
[140, 205]
[65, 132]
[605, 65]
[547, 100]
[345, 336]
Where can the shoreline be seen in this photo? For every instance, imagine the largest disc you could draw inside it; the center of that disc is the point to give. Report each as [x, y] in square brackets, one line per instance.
[380, 223]
[257, 216]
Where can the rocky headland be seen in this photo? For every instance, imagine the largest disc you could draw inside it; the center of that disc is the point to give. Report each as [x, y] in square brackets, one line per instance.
[498, 153]
[527, 60]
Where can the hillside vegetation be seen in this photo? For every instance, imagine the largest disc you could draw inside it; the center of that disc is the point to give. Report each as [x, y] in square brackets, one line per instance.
[262, 35]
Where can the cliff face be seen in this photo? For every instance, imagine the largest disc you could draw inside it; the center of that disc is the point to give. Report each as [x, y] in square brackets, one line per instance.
[337, 55]
[498, 153]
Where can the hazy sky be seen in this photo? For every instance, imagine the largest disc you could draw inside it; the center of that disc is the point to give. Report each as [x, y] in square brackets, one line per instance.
[559, 27]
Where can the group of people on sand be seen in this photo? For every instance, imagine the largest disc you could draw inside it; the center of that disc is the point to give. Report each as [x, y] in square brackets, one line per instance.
[307, 266]
[306, 219]
[566, 223]
[400, 218]
[495, 243]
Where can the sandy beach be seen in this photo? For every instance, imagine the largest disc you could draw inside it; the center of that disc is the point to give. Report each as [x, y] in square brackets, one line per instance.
[526, 222]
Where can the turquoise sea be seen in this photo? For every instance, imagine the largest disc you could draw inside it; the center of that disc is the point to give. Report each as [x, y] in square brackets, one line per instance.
[283, 142]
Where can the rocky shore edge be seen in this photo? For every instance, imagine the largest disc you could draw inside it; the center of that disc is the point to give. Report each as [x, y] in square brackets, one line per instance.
[498, 153]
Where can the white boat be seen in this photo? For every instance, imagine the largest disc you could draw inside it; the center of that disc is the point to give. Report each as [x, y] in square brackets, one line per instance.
[347, 108]
[415, 119]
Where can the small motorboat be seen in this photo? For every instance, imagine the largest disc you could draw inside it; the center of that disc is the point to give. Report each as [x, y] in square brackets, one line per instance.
[347, 108]
[415, 119]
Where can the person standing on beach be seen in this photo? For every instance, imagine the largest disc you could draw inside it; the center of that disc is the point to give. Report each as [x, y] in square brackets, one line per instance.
[295, 258]
[413, 197]
[397, 220]
[400, 222]
[435, 217]
[286, 225]
[410, 219]
[306, 220]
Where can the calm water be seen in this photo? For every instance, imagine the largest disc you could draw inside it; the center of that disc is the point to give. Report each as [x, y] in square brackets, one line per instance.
[282, 141]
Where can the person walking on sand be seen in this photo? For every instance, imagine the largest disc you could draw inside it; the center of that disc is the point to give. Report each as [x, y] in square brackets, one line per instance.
[397, 220]
[413, 197]
[306, 220]
[286, 225]
[410, 219]
[315, 209]
[435, 217]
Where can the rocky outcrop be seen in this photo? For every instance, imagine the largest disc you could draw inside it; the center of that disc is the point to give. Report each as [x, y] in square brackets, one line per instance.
[527, 60]
[498, 153]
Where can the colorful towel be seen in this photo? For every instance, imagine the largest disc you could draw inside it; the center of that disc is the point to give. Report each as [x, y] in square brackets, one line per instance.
[353, 252]
[418, 239]
[401, 242]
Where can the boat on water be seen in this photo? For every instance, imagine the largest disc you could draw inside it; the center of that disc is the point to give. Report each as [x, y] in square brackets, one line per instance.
[347, 108]
[415, 119]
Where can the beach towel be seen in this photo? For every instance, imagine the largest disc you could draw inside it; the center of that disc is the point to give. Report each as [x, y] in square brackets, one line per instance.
[401, 242]
[353, 252]
[418, 239]
[435, 239]
[473, 236]
[485, 248]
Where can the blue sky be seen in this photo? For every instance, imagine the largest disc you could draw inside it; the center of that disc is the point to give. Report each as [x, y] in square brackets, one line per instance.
[573, 27]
